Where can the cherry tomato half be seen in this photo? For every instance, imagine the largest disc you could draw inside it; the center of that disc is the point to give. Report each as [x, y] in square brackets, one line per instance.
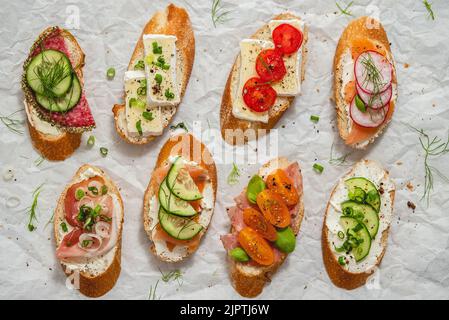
[258, 95]
[270, 65]
[287, 38]
[280, 183]
[256, 247]
[273, 208]
[255, 220]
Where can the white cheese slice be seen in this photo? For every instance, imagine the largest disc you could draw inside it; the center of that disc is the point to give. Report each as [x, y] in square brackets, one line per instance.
[290, 85]
[133, 81]
[166, 92]
[249, 50]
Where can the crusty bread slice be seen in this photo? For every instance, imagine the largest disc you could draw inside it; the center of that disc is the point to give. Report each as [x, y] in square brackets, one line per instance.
[98, 275]
[364, 27]
[227, 119]
[55, 147]
[173, 21]
[249, 280]
[340, 276]
[187, 146]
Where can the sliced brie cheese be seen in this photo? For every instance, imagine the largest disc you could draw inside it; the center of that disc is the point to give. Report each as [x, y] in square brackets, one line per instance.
[135, 112]
[160, 69]
[290, 85]
[249, 50]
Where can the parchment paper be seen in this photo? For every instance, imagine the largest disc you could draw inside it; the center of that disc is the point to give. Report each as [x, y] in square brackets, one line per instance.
[416, 263]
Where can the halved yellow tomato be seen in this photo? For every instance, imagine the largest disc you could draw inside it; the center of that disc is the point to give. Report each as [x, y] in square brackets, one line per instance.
[281, 184]
[256, 246]
[273, 208]
[255, 220]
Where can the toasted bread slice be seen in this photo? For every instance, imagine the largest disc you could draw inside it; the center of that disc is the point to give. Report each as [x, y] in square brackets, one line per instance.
[233, 124]
[249, 280]
[361, 28]
[354, 275]
[96, 275]
[193, 150]
[173, 21]
[51, 142]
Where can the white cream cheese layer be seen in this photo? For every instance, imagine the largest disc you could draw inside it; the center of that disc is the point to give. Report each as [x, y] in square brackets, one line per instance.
[161, 70]
[290, 85]
[376, 174]
[40, 125]
[249, 50]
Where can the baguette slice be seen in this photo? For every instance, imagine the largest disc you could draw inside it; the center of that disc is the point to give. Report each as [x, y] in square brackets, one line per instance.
[232, 124]
[249, 280]
[173, 21]
[341, 276]
[193, 150]
[364, 28]
[60, 144]
[98, 275]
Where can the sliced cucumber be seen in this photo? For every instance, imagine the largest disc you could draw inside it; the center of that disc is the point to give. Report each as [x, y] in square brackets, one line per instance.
[173, 204]
[372, 194]
[181, 183]
[65, 103]
[55, 67]
[364, 213]
[177, 227]
[349, 225]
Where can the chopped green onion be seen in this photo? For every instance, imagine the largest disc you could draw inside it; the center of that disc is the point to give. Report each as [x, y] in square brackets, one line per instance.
[169, 95]
[341, 261]
[91, 141]
[314, 118]
[141, 91]
[79, 194]
[104, 190]
[97, 210]
[94, 190]
[158, 78]
[156, 48]
[233, 177]
[85, 243]
[318, 168]
[341, 235]
[147, 115]
[64, 227]
[139, 127]
[360, 104]
[110, 73]
[136, 103]
[104, 151]
[140, 65]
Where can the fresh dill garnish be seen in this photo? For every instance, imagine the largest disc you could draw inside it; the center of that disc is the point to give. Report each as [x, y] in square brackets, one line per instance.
[218, 13]
[50, 220]
[180, 125]
[428, 6]
[338, 161]
[39, 161]
[432, 147]
[233, 177]
[50, 73]
[175, 275]
[345, 11]
[13, 124]
[31, 211]
[152, 292]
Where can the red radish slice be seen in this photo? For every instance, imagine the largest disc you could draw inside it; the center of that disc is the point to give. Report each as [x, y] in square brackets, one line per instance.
[367, 65]
[369, 119]
[375, 101]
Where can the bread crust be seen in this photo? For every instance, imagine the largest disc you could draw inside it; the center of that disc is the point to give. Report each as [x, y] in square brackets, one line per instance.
[357, 29]
[173, 21]
[341, 277]
[171, 148]
[227, 119]
[60, 147]
[251, 285]
[94, 286]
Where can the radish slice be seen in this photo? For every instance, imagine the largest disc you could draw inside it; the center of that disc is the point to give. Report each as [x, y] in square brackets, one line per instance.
[375, 101]
[365, 64]
[369, 119]
[94, 242]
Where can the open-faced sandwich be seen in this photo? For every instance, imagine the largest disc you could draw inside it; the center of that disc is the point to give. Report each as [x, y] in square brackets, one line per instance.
[55, 103]
[264, 79]
[356, 224]
[365, 84]
[265, 221]
[157, 76]
[180, 198]
[88, 231]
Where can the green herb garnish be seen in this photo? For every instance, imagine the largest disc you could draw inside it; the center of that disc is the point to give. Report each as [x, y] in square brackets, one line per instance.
[31, 211]
[157, 49]
[341, 261]
[233, 177]
[110, 74]
[104, 190]
[139, 127]
[51, 73]
[318, 168]
[345, 11]
[104, 151]
[64, 227]
[218, 13]
[180, 125]
[152, 292]
[91, 141]
[161, 63]
[147, 115]
[158, 78]
[142, 91]
[169, 95]
[174, 275]
[94, 190]
[341, 235]
[337, 161]
[428, 6]
[79, 194]
[86, 243]
[360, 104]
[136, 103]
[13, 124]
[39, 161]
[140, 65]
[314, 118]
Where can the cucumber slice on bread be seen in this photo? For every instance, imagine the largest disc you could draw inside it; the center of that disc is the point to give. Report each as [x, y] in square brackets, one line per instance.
[178, 227]
[181, 183]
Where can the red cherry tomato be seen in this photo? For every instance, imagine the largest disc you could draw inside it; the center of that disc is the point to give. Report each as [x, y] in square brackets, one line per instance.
[287, 38]
[259, 96]
[270, 65]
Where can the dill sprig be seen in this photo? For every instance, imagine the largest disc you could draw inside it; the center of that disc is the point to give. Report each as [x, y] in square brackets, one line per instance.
[31, 211]
[13, 124]
[233, 177]
[218, 13]
[432, 147]
[152, 292]
[50, 73]
[345, 11]
[175, 275]
[39, 161]
[428, 6]
[338, 160]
